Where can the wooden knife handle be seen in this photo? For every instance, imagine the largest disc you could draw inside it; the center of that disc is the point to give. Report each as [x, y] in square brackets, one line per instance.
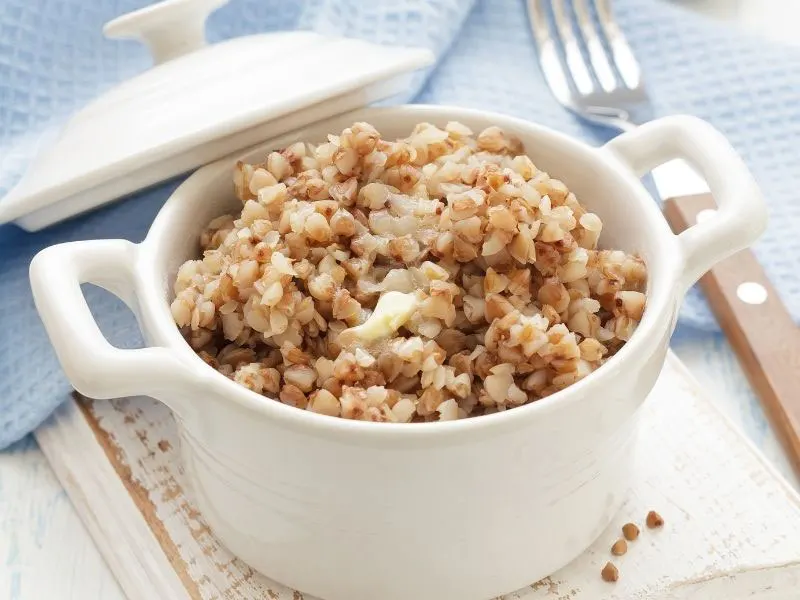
[757, 325]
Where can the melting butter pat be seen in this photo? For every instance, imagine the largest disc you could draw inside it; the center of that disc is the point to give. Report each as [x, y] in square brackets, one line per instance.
[391, 312]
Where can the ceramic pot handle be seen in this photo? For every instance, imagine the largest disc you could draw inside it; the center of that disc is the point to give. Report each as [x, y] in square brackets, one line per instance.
[741, 217]
[95, 367]
[170, 28]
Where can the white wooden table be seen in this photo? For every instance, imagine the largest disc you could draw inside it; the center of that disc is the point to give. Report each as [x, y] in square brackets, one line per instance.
[46, 553]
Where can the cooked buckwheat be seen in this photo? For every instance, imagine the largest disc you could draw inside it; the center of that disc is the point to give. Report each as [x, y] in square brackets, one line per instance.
[515, 300]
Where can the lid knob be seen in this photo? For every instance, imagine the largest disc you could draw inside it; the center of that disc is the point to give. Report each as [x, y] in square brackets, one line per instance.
[170, 28]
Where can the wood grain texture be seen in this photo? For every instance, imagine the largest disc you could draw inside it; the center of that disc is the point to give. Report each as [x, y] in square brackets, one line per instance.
[107, 507]
[712, 361]
[693, 472]
[779, 582]
[138, 493]
[45, 551]
[764, 336]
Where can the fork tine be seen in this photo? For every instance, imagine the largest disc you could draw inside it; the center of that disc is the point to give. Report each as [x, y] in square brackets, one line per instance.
[597, 53]
[621, 99]
[624, 60]
[572, 51]
[549, 59]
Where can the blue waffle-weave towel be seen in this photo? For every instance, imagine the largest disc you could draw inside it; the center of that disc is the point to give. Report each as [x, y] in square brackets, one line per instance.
[53, 59]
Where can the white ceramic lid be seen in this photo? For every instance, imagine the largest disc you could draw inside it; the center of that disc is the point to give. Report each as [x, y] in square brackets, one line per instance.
[197, 104]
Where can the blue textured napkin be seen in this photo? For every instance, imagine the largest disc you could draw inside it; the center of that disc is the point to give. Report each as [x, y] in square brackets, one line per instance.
[53, 59]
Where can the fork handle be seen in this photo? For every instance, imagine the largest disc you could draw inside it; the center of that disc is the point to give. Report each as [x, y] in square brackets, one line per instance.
[757, 324]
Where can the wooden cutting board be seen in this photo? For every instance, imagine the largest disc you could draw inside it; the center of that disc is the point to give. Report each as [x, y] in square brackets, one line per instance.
[732, 523]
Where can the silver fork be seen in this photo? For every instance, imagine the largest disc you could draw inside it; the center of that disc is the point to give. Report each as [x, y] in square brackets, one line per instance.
[606, 90]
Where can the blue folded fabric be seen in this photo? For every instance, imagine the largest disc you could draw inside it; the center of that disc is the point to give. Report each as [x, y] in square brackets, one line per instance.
[53, 59]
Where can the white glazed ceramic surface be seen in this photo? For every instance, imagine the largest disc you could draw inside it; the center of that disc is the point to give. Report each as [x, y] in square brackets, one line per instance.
[461, 510]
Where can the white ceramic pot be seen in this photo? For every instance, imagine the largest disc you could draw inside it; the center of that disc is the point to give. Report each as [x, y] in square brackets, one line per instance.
[462, 510]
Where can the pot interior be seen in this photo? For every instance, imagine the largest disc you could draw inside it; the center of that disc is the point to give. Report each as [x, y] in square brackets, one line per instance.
[631, 219]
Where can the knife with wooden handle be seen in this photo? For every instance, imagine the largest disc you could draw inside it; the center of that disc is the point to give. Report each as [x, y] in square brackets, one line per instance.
[756, 323]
